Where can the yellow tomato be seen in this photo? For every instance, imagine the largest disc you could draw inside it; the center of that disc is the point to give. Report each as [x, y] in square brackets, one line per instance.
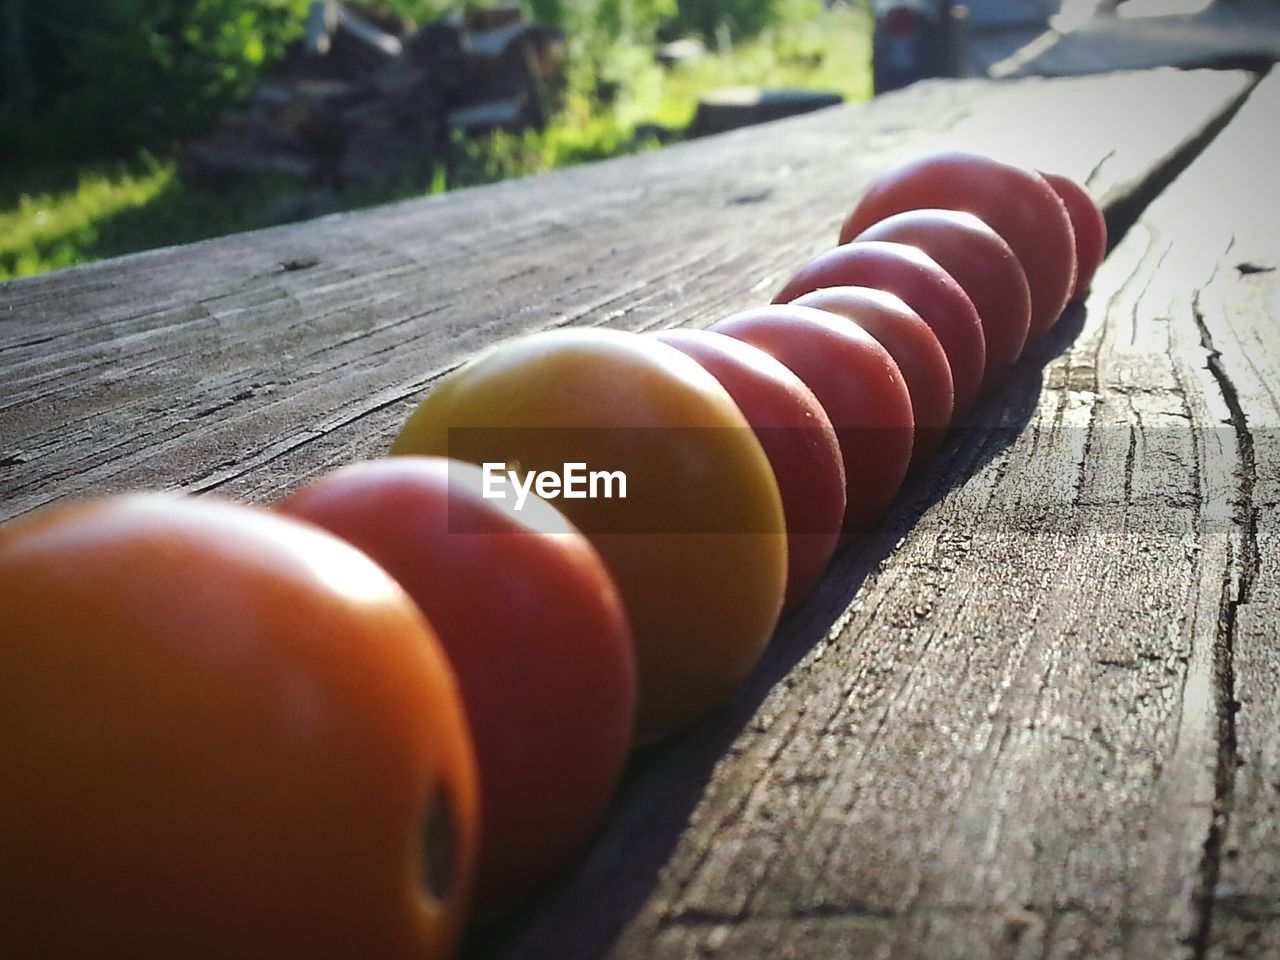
[697, 546]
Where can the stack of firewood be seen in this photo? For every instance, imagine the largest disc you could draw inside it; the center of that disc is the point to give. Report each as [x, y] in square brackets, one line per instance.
[365, 101]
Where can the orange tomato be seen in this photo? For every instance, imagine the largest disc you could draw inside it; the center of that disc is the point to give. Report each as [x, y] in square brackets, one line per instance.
[225, 734]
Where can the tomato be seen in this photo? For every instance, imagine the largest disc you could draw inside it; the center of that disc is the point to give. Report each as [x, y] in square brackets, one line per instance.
[797, 437]
[225, 734]
[1018, 204]
[1089, 226]
[914, 348]
[925, 287]
[536, 634]
[985, 267]
[857, 383]
[697, 546]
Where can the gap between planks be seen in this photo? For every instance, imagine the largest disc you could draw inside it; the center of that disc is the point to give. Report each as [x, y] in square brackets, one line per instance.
[1143, 355]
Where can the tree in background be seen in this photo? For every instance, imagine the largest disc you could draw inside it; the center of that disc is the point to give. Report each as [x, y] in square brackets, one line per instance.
[739, 19]
[90, 80]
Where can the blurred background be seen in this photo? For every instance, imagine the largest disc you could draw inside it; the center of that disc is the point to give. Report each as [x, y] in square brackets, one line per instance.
[131, 124]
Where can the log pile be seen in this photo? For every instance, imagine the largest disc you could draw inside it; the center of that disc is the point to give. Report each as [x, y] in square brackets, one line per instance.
[733, 107]
[363, 101]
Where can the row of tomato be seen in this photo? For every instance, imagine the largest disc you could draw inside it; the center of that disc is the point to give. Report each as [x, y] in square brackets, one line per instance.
[231, 733]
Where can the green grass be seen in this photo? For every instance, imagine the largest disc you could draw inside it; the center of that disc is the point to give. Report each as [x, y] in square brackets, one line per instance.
[50, 220]
[48, 230]
[126, 207]
[832, 53]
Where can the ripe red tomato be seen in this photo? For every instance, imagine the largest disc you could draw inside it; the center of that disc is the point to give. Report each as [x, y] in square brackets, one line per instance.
[1018, 204]
[698, 545]
[1090, 229]
[857, 383]
[985, 267]
[225, 734]
[536, 634]
[910, 274]
[914, 348]
[797, 437]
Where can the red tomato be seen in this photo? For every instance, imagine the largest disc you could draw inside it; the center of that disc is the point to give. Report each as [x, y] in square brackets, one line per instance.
[797, 437]
[985, 267]
[1018, 204]
[697, 546]
[536, 634]
[1090, 229]
[914, 348]
[859, 386]
[226, 734]
[925, 287]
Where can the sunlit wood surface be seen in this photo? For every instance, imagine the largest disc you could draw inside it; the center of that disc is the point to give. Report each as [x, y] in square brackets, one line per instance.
[1037, 715]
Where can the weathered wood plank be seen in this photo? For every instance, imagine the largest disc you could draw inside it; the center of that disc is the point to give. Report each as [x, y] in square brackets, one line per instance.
[1010, 734]
[1227, 202]
[1220, 34]
[998, 728]
[250, 363]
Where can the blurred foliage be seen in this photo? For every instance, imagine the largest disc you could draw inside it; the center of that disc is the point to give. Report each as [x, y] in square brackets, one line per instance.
[827, 50]
[97, 80]
[721, 20]
[68, 209]
[110, 209]
[611, 19]
[102, 79]
[46, 231]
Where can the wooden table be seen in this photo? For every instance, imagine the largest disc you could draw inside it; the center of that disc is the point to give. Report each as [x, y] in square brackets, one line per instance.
[1037, 715]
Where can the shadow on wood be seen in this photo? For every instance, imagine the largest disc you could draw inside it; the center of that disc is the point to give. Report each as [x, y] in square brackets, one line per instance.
[665, 781]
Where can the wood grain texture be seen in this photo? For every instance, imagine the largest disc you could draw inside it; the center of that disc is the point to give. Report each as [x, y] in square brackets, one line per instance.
[1006, 728]
[1005, 725]
[250, 363]
[1227, 34]
[1227, 202]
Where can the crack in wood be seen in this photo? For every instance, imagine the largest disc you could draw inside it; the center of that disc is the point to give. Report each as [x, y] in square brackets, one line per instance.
[1246, 558]
[24, 344]
[298, 263]
[1246, 268]
[965, 720]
